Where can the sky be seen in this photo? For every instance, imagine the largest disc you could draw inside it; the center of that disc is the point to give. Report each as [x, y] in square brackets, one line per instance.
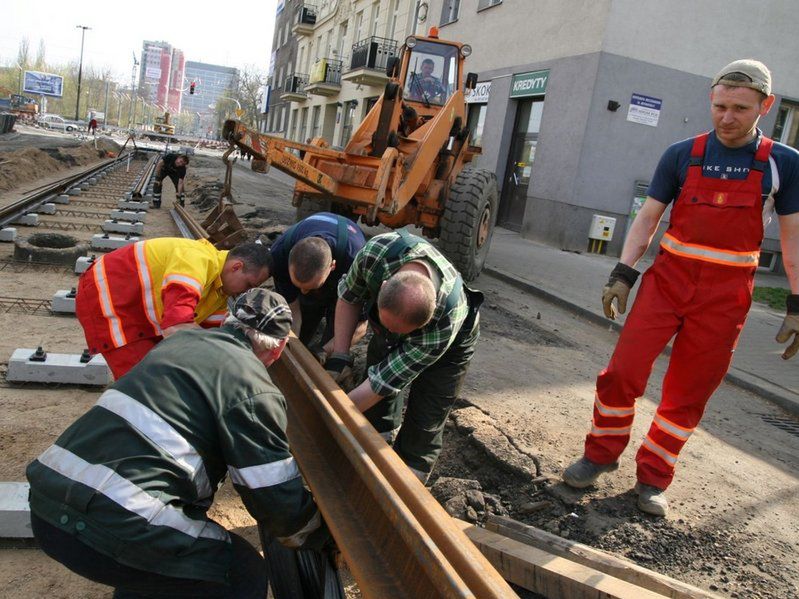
[232, 34]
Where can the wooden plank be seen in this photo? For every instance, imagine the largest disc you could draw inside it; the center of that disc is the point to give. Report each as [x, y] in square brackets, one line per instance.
[552, 576]
[15, 514]
[588, 556]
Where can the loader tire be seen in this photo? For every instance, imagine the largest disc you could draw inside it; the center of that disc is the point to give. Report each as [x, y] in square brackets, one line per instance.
[467, 224]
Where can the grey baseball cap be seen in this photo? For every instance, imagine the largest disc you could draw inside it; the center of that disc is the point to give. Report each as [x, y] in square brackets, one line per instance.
[755, 74]
[263, 310]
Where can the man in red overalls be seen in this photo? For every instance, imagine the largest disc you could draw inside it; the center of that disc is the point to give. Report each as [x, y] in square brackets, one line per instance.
[700, 286]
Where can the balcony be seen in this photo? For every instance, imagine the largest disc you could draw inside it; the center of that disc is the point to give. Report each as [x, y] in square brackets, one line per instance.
[304, 20]
[293, 89]
[369, 58]
[325, 79]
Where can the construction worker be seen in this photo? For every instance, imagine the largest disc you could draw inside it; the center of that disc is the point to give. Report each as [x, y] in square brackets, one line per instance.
[426, 86]
[122, 497]
[700, 285]
[131, 298]
[425, 325]
[310, 259]
[172, 165]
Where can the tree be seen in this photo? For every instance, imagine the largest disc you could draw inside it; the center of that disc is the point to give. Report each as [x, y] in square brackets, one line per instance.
[24, 53]
[249, 93]
[39, 65]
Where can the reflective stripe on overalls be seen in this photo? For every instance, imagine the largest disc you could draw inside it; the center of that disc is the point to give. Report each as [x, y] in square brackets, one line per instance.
[699, 288]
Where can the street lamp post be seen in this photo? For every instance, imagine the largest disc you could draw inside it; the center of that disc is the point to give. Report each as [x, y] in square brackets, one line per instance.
[83, 29]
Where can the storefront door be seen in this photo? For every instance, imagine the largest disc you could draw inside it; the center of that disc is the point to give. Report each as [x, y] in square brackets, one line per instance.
[520, 163]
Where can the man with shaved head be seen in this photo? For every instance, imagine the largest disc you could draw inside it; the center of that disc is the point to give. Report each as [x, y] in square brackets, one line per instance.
[425, 323]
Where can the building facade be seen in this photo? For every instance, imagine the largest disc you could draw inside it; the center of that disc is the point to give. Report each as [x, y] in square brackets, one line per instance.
[284, 53]
[211, 84]
[161, 75]
[579, 100]
[338, 70]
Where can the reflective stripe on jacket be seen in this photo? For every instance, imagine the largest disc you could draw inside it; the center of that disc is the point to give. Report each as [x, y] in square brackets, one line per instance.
[137, 291]
[134, 477]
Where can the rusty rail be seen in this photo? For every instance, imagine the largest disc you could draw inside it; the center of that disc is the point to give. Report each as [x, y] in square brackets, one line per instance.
[145, 177]
[396, 539]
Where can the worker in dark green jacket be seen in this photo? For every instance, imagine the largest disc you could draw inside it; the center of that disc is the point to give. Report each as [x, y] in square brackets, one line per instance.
[122, 496]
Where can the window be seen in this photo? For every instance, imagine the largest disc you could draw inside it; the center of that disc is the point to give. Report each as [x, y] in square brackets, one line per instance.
[392, 22]
[475, 120]
[786, 129]
[358, 26]
[375, 18]
[483, 4]
[303, 125]
[432, 73]
[342, 35]
[315, 122]
[449, 11]
[294, 124]
[349, 117]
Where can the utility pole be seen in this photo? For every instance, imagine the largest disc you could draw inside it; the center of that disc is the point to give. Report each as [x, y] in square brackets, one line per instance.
[132, 116]
[105, 110]
[83, 29]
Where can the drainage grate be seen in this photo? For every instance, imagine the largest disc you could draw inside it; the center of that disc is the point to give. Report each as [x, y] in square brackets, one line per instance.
[789, 425]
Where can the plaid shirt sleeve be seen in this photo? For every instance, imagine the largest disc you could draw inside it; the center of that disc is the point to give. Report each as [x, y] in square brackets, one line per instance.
[416, 352]
[355, 285]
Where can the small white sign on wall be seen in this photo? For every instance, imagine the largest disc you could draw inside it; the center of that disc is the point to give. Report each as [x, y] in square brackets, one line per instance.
[644, 109]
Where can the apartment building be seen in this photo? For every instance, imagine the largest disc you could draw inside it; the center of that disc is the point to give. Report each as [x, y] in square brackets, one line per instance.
[577, 100]
[338, 71]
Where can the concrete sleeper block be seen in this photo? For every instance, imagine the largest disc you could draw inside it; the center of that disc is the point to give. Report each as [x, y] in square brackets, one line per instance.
[112, 226]
[15, 513]
[36, 366]
[64, 301]
[48, 208]
[31, 219]
[8, 234]
[137, 216]
[108, 242]
[83, 263]
[62, 199]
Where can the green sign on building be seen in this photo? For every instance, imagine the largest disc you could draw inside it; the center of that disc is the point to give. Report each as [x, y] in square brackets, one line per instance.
[529, 84]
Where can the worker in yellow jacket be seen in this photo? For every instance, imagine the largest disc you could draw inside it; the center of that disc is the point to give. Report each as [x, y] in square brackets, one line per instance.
[133, 297]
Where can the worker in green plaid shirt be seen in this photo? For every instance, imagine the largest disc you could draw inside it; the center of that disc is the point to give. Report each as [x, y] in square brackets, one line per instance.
[425, 325]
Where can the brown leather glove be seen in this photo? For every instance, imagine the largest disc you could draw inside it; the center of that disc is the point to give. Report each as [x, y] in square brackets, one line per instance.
[790, 326]
[621, 280]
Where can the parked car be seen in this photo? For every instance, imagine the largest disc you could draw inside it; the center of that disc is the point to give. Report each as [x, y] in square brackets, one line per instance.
[54, 121]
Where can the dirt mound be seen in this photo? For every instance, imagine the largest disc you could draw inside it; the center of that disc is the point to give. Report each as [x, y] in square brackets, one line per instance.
[21, 166]
[108, 145]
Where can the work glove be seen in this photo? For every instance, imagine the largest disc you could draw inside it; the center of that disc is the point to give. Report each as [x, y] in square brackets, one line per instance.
[790, 326]
[621, 280]
[318, 352]
[180, 199]
[339, 367]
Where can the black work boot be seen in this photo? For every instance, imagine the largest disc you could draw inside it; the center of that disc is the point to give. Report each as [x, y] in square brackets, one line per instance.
[157, 200]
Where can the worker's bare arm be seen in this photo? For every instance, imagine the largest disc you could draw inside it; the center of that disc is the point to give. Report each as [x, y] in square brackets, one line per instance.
[789, 238]
[345, 324]
[296, 316]
[363, 397]
[643, 228]
[179, 327]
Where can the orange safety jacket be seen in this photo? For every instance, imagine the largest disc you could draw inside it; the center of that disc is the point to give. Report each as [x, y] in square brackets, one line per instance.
[136, 292]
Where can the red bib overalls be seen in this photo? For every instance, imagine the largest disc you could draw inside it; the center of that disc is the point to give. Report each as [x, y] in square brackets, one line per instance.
[700, 287]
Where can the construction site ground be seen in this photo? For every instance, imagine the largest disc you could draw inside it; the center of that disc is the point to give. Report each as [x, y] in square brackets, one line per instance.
[521, 418]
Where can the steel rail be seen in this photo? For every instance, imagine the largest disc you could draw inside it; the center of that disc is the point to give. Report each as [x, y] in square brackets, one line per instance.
[395, 537]
[145, 176]
[33, 200]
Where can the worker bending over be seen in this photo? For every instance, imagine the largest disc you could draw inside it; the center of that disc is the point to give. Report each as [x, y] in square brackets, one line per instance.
[131, 298]
[425, 323]
[310, 259]
[172, 165]
[122, 496]
[722, 184]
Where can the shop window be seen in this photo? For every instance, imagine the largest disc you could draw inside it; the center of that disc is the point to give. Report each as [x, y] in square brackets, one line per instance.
[786, 129]
[475, 120]
[449, 12]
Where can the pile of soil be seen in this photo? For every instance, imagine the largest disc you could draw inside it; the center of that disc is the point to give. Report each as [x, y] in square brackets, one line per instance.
[21, 166]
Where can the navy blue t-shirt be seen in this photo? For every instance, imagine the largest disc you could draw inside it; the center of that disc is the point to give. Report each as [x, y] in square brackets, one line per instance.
[722, 162]
[324, 225]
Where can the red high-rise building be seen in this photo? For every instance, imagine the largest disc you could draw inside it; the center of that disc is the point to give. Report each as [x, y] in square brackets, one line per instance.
[162, 72]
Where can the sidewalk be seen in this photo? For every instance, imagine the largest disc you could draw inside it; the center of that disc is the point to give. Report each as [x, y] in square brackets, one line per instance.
[574, 281]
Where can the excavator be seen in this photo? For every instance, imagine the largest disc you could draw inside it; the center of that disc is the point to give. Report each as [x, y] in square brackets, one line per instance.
[406, 164]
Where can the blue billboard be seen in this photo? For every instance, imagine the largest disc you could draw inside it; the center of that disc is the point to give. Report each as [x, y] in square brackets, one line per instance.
[45, 84]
